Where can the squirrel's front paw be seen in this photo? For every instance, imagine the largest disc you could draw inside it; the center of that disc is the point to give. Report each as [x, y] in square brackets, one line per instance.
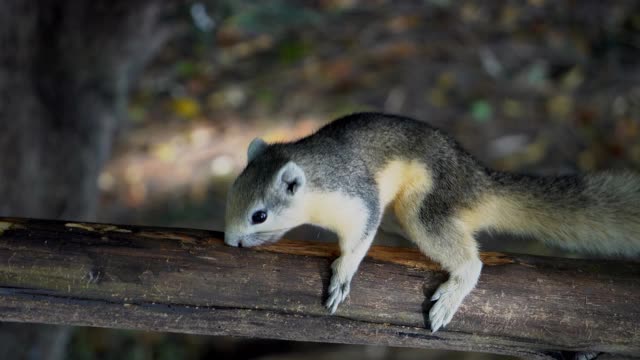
[338, 289]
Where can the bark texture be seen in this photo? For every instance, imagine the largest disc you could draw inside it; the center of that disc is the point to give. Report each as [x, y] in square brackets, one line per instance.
[187, 281]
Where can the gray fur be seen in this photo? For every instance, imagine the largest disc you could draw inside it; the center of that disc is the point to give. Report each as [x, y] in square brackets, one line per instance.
[346, 153]
[256, 147]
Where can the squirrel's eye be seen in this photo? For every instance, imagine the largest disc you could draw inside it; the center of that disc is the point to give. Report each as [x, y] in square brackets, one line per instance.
[259, 217]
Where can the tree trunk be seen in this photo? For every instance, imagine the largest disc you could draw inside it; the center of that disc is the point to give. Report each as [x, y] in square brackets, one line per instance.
[65, 70]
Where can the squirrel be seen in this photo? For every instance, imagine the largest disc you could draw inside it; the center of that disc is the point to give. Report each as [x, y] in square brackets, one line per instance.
[369, 170]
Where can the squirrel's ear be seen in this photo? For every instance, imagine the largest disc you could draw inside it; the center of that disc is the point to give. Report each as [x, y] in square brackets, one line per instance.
[291, 177]
[256, 148]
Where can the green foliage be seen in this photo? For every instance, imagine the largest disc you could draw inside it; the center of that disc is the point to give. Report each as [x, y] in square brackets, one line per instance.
[270, 16]
[293, 51]
[186, 69]
[481, 110]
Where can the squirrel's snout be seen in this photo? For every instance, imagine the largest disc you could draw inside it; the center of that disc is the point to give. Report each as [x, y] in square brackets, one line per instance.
[237, 239]
[232, 240]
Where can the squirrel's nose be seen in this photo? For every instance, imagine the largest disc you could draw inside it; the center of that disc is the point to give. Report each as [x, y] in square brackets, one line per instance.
[232, 240]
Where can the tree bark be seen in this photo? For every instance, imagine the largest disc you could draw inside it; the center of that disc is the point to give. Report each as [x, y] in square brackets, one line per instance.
[187, 281]
[65, 71]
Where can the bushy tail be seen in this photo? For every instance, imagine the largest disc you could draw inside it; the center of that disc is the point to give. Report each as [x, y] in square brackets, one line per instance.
[598, 213]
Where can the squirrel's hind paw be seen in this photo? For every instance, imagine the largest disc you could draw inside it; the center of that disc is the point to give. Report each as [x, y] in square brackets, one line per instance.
[447, 301]
[338, 292]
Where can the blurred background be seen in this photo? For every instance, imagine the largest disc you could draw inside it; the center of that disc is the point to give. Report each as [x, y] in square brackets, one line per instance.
[141, 112]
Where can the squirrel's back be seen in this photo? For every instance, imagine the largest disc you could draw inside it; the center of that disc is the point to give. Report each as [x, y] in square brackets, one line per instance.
[358, 146]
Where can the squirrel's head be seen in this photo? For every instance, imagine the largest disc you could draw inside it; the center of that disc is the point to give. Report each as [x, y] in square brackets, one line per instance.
[265, 201]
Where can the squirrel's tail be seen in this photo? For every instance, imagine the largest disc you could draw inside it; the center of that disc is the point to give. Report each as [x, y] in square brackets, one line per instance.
[598, 213]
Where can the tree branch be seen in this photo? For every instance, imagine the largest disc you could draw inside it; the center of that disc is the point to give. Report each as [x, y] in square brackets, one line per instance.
[187, 281]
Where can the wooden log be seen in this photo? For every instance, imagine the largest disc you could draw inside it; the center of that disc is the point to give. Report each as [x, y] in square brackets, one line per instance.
[187, 281]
